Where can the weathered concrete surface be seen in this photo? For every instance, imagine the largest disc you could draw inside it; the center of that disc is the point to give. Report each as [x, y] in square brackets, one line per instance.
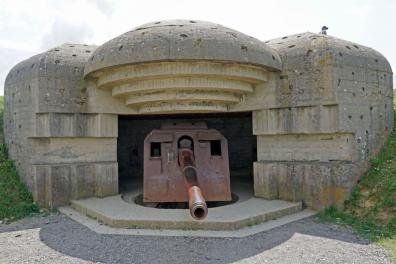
[334, 114]
[120, 212]
[178, 87]
[321, 107]
[182, 40]
[317, 184]
[99, 228]
[60, 151]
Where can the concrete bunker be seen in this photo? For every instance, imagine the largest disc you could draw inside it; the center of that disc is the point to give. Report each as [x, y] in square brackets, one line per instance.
[317, 106]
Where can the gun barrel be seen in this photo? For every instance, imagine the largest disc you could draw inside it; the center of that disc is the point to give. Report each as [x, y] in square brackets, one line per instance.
[196, 201]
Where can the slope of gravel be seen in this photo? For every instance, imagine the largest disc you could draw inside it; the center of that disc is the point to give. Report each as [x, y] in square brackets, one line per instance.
[58, 239]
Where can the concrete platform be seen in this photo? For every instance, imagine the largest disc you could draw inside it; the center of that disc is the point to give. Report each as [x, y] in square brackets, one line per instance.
[100, 228]
[248, 211]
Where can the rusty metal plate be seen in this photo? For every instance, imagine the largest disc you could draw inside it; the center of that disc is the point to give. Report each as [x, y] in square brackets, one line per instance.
[163, 177]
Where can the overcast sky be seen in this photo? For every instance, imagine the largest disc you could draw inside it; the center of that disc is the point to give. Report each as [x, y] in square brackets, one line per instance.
[32, 26]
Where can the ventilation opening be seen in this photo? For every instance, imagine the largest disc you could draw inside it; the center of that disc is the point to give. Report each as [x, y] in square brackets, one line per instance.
[155, 149]
[185, 142]
[215, 147]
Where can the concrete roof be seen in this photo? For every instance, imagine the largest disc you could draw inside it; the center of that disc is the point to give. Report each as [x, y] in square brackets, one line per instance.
[67, 56]
[182, 40]
[344, 52]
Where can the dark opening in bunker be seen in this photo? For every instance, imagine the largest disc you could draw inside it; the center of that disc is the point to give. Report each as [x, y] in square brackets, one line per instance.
[215, 147]
[235, 127]
[155, 149]
[185, 142]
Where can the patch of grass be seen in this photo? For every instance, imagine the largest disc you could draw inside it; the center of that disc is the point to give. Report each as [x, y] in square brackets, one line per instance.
[374, 198]
[364, 227]
[15, 199]
[390, 246]
[371, 209]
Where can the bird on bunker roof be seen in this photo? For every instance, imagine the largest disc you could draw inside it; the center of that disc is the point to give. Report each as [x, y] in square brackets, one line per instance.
[324, 30]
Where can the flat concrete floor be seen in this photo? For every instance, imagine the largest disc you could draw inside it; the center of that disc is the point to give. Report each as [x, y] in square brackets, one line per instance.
[121, 211]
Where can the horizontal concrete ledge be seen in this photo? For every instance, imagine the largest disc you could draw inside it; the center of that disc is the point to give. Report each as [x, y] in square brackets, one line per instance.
[325, 103]
[72, 163]
[243, 232]
[304, 133]
[71, 137]
[110, 77]
[306, 162]
[115, 212]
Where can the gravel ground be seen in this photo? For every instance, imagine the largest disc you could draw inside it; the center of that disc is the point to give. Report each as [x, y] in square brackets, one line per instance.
[58, 239]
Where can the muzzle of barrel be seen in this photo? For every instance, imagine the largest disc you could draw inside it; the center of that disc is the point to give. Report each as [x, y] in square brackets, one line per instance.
[196, 203]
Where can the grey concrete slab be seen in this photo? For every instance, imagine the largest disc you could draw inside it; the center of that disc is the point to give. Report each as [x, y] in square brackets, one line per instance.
[122, 211]
[100, 228]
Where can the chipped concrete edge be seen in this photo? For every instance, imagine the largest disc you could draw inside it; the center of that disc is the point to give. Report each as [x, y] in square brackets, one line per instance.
[100, 228]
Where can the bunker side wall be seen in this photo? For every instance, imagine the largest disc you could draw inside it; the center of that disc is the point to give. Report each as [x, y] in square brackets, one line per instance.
[61, 152]
[308, 148]
[75, 157]
[75, 152]
[20, 88]
[363, 82]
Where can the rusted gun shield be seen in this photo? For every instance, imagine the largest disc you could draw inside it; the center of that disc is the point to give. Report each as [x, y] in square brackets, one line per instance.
[163, 173]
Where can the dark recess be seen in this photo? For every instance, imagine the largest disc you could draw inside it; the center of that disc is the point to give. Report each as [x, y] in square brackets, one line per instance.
[236, 127]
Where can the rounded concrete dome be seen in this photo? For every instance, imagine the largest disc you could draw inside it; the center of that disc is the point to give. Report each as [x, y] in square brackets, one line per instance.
[182, 40]
[309, 45]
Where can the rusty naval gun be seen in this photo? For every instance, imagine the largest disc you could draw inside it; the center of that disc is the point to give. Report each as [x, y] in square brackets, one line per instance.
[186, 163]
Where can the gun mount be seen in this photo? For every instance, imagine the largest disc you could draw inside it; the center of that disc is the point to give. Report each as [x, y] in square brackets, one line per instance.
[186, 163]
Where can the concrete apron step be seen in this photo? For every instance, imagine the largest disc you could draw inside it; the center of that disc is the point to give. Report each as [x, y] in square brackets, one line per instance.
[115, 212]
[100, 228]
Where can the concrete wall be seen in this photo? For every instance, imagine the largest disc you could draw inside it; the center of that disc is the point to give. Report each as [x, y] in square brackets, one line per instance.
[334, 113]
[21, 86]
[61, 151]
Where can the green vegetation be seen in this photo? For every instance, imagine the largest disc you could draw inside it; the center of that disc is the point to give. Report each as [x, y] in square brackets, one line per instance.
[390, 245]
[15, 199]
[366, 227]
[371, 209]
